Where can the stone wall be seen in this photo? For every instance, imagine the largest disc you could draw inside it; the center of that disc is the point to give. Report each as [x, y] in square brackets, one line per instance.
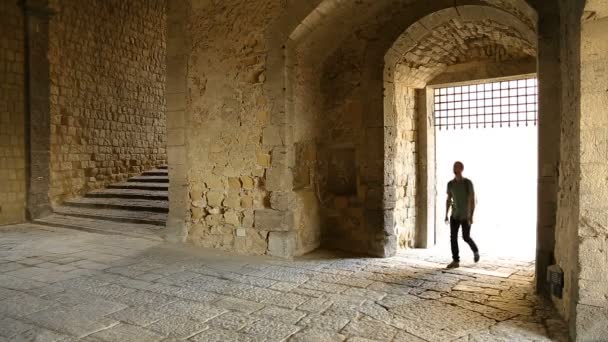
[351, 150]
[592, 301]
[107, 68]
[401, 164]
[281, 135]
[236, 140]
[12, 114]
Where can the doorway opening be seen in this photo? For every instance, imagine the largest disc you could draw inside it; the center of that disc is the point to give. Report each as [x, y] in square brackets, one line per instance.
[491, 127]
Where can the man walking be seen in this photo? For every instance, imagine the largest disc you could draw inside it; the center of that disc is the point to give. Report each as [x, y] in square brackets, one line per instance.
[461, 198]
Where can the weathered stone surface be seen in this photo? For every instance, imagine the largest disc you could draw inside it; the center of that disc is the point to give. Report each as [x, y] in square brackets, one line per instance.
[127, 332]
[99, 134]
[281, 244]
[272, 220]
[205, 296]
[314, 335]
[271, 329]
[177, 327]
[12, 135]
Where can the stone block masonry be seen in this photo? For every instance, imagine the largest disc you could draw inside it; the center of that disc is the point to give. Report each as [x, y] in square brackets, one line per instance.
[107, 66]
[12, 114]
[235, 144]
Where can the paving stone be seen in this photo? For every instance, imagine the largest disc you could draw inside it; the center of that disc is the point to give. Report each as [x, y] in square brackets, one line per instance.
[470, 296]
[487, 285]
[141, 298]
[238, 304]
[287, 300]
[221, 335]
[430, 295]
[284, 286]
[476, 289]
[232, 321]
[280, 314]
[38, 334]
[350, 312]
[89, 265]
[273, 330]
[405, 336]
[127, 333]
[309, 292]
[178, 292]
[316, 335]
[111, 291]
[6, 293]
[513, 330]
[9, 267]
[390, 288]
[517, 308]
[138, 316]
[178, 327]
[325, 287]
[10, 327]
[78, 298]
[419, 319]
[337, 279]
[488, 311]
[23, 305]
[70, 322]
[283, 275]
[15, 283]
[194, 310]
[316, 305]
[372, 329]
[322, 322]
[365, 293]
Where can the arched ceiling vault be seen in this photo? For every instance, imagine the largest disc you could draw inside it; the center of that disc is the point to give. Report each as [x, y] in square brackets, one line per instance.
[457, 35]
[331, 21]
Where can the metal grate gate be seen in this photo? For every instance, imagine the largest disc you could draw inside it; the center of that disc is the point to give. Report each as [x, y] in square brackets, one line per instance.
[494, 104]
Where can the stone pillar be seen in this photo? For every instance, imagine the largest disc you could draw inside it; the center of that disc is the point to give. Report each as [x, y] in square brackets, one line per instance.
[425, 200]
[176, 90]
[549, 130]
[37, 16]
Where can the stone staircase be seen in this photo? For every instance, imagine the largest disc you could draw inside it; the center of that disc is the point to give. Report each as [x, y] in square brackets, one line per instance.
[137, 207]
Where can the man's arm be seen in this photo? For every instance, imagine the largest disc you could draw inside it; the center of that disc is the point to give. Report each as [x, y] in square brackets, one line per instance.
[448, 204]
[471, 201]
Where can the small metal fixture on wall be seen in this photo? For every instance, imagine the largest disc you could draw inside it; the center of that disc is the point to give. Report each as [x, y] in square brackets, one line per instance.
[555, 278]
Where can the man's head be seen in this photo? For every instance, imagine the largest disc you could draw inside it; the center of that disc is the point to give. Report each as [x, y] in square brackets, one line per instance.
[458, 168]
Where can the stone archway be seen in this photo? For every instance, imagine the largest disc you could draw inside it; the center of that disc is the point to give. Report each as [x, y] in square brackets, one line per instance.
[310, 52]
[426, 48]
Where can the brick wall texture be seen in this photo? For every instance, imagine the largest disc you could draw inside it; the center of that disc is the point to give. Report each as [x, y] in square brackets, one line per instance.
[107, 92]
[12, 112]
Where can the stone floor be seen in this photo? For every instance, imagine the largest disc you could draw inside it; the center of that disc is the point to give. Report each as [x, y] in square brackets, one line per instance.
[68, 285]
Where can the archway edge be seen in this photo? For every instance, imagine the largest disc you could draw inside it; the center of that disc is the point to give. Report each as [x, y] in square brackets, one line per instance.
[465, 13]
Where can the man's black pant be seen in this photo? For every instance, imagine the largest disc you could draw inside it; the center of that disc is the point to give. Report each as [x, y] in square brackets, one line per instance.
[466, 236]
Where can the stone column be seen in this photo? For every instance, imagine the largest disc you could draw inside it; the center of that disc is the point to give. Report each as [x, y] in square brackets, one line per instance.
[37, 16]
[549, 131]
[425, 199]
[176, 90]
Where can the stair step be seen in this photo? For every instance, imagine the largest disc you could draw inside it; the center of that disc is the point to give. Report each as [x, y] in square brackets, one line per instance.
[163, 167]
[117, 215]
[130, 193]
[140, 186]
[158, 206]
[139, 230]
[157, 172]
[149, 179]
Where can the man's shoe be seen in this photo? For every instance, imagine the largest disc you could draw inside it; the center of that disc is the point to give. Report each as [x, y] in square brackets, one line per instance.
[454, 264]
[476, 257]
